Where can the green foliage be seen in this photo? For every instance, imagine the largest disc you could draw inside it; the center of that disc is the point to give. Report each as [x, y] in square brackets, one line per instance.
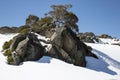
[37, 30]
[59, 16]
[45, 20]
[7, 44]
[7, 52]
[9, 59]
[24, 29]
[62, 17]
[42, 25]
[31, 20]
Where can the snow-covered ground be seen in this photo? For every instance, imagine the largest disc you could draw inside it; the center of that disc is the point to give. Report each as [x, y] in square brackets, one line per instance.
[109, 41]
[107, 67]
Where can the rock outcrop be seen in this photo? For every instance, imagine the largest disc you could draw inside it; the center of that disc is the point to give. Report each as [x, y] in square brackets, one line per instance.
[6, 29]
[65, 45]
[88, 37]
[105, 36]
[26, 48]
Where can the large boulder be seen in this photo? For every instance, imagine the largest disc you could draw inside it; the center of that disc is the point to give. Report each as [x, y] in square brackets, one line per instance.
[16, 40]
[68, 47]
[28, 49]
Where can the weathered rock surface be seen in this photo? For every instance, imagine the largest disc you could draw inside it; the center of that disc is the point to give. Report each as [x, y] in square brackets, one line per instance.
[68, 47]
[28, 49]
[16, 40]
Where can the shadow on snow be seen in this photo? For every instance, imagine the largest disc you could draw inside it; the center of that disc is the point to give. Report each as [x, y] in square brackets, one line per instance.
[45, 59]
[102, 63]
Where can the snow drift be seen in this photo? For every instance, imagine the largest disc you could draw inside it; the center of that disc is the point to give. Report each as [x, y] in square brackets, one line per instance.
[47, 68]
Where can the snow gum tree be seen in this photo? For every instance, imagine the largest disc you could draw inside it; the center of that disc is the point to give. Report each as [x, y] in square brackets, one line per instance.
[63, 17]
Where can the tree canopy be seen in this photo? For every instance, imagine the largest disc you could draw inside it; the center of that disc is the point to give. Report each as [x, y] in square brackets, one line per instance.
[59, 16]
[63, 17]
[31, 20]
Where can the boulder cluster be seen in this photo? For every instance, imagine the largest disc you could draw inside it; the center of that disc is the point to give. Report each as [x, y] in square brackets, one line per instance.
[65, 45]
[88, 37]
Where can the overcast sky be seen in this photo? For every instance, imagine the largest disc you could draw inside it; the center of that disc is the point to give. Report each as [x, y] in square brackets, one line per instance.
[98, 16]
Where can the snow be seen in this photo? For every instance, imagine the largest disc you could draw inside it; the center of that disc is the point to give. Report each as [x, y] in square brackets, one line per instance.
[41, 37]
[48, 46]
[107, 67]
[109, 41]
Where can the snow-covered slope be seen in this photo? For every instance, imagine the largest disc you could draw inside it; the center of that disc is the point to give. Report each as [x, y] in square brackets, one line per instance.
[107, 67]
[109, 41]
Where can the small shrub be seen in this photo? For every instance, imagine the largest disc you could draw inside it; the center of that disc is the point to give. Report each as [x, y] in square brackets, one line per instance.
[24, 31]
[9, 59]
[7, 52]
[37, 30]
[7, 44]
